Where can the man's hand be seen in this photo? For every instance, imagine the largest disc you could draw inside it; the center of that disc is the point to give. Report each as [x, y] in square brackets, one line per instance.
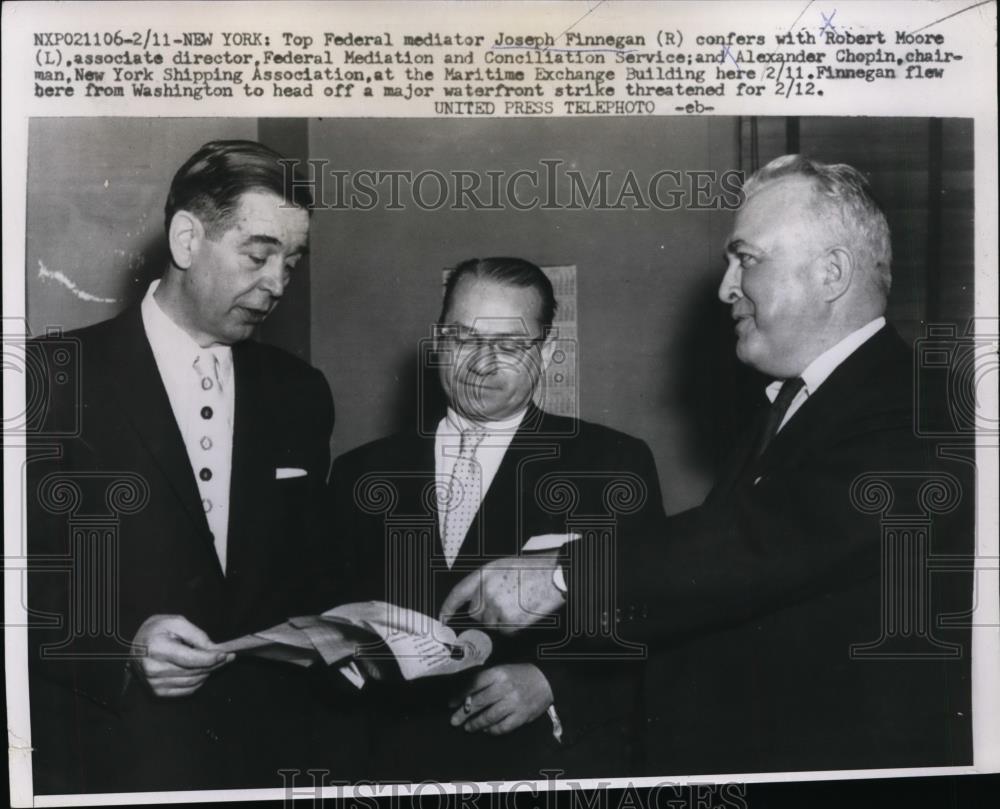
[507, 594]
[503, 698]
[174, 656]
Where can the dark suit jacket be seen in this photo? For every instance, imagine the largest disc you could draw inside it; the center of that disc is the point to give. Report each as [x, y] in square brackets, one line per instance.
[754, 600]
[558, 475]
[113, 500]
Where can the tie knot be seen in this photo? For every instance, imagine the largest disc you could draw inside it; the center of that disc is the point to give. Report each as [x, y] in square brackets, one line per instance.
[776, 413]
[789, 390]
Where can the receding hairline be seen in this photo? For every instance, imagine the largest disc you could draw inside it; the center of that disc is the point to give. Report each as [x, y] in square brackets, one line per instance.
[471, 278]
[809, 212]
[216, 226]
[759, 186]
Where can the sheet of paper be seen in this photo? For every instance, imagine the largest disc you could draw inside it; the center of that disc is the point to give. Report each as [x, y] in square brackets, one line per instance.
[328, 640]
[422, 646]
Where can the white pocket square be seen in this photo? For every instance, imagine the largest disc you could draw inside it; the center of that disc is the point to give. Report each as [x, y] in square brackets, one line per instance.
[548, 542]
[286, 472]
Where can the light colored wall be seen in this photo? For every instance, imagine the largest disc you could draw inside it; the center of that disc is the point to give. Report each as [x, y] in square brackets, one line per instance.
[96, 190]
[646, 279]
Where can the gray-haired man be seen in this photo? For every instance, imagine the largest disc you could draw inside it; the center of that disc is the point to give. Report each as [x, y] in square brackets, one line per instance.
[780, 641]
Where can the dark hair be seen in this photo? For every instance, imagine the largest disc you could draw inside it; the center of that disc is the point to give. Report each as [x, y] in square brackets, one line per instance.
[514, 272]
[214, 178]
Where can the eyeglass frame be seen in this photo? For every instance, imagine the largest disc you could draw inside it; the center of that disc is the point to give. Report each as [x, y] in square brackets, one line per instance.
[510, 344]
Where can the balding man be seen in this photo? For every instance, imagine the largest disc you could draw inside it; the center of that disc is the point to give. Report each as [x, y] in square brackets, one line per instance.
[779, 639]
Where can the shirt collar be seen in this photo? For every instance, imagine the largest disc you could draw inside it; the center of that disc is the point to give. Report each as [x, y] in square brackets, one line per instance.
[826, 363]
[173, 346]
[459, 424]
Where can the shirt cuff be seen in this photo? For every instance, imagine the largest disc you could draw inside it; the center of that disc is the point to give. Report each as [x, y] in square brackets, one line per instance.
[559, 580]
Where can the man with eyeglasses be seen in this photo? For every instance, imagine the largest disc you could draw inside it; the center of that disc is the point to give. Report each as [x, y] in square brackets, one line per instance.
[496, 476]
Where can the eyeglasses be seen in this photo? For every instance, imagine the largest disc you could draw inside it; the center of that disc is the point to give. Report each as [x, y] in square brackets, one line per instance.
[464, 338]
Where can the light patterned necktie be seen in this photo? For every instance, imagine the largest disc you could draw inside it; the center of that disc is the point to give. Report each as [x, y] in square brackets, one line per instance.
[207, 458]
[464, 494]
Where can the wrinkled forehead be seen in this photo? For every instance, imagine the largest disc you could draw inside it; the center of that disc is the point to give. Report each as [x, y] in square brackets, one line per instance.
[489, 307]
[265, 216]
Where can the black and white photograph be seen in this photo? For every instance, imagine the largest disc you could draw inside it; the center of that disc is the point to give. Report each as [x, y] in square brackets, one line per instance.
[553, 449]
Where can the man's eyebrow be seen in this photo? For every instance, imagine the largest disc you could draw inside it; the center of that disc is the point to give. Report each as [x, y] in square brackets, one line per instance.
[462, 325]
[262, 238]
[500, 335]
[737, 245]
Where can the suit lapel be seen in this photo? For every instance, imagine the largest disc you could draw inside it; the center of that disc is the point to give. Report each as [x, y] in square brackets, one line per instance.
[411, 485]
[251, 480]
[829, 403]
[412, 474]
[136, 378]
[740, 461]
[494, 531]
[495, 510]
[809, 421]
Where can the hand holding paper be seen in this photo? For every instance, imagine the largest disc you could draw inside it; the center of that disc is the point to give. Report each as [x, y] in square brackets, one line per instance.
[418, 645]
[174, 656]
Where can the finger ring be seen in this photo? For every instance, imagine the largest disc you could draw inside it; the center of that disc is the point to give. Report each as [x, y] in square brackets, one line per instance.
[467, 705]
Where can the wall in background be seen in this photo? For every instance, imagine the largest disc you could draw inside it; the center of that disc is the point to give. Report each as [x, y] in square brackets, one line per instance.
[921, 171]
[649, 323]
[655, 345]
[96, 190]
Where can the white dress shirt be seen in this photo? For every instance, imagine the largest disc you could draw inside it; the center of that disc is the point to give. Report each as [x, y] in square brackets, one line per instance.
[825, 364]
[489, 454]
[202, 398]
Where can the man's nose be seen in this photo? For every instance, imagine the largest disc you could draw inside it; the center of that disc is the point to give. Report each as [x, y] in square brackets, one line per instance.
[482, 360]
[274, 278]
[484, 357]
[731, 288]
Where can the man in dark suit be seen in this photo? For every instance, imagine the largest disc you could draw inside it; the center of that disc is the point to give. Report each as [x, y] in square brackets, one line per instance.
[795, 622]
[183, 507]
[416, 512]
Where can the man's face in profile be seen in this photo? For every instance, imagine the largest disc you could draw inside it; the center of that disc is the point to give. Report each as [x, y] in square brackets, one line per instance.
[493, 336]
[773, 279]
[236, 277]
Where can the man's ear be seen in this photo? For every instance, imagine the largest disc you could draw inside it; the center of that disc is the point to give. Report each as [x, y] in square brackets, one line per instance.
[184, 236]
[837, 272]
